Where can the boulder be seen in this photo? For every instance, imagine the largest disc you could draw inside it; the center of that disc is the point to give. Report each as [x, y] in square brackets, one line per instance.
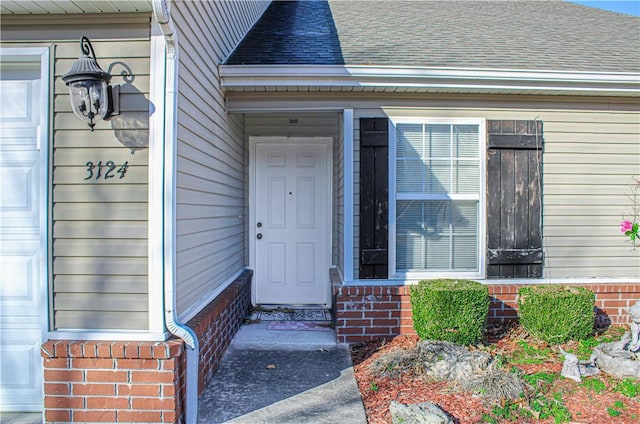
[421, 413]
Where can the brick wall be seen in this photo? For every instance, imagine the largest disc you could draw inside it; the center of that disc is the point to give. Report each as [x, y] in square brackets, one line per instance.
[369, 312]
[106, 381]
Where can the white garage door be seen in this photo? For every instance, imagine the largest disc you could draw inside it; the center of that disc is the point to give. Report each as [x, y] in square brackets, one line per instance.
[23, 276]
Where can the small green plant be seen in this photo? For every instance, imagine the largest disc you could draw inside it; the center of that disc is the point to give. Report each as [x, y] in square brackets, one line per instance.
[487, 418]
[628, 387]
[450, 310]
[508, 410]
[553, 407]
[585, 347]
[541, 380]
[373, 386]
[595, 385]
[528, 354]
[557, 314]
[616, 409]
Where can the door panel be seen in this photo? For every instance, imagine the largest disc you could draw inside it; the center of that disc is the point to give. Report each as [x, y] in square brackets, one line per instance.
[22, 253]
[292, 238]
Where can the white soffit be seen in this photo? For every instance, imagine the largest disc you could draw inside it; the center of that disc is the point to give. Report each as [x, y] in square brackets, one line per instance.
[249, 78]
[44, 7]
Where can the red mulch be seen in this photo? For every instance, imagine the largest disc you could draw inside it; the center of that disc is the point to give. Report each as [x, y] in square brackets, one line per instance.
[377, 392]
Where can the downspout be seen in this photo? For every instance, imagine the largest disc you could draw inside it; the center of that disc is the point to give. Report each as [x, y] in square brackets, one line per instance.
[175, 327]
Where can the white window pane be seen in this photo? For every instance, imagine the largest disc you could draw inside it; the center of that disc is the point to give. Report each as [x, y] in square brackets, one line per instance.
[465, 253]
[466, 177]
[409, 176]
[465, 235]
[409, 235]
[409, 140]
[437, 235]
[438, 141]
[465, 217]
[465, 140]
[438, 177]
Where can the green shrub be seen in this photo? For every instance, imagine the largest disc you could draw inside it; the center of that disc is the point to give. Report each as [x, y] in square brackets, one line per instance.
[557, 314]
[450, 310]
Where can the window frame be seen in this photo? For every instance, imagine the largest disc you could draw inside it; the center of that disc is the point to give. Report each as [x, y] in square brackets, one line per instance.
[482, 213]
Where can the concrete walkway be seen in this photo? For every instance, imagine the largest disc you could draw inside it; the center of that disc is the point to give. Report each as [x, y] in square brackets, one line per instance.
[281, 377]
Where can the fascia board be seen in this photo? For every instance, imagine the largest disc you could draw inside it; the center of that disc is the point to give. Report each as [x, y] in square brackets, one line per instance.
[473, 80]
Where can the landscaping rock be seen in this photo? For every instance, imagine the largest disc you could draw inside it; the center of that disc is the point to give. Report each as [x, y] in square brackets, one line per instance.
[616, 362]
[449, 361]
[421, 413]
[574, 369]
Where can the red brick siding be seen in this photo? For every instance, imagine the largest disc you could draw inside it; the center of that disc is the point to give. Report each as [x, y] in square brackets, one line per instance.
[106, 381]
[369, 312]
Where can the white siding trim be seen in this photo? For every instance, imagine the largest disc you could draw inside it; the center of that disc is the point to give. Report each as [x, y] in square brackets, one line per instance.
[156, 180]
[46, 124]
[498, 281]
[241, 77]
[123, 335]
[348, 194]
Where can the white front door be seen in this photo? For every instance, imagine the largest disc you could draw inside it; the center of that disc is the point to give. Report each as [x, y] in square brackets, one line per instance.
[22, 229]
[291, 227]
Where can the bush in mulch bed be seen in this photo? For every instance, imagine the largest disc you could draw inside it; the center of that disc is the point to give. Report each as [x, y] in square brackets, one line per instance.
[450, 310]
[557, 314]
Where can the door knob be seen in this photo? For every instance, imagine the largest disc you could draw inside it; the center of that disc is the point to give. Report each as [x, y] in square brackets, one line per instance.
[259, 236]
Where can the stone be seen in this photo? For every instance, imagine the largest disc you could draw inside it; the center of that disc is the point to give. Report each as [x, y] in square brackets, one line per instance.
[421, 413]
[574, 369]
[618, 363]
[621, 359]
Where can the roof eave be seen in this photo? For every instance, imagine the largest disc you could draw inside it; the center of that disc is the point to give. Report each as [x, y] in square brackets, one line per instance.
[421, 79]
[69, 7]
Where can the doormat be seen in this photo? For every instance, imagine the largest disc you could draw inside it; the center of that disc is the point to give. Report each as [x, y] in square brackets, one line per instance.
[299, 326]
[289, 314]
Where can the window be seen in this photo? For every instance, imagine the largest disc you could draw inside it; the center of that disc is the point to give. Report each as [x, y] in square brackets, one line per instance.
[436, 197]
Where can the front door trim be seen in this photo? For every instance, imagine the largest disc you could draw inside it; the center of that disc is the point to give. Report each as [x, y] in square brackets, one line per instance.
[253, 141]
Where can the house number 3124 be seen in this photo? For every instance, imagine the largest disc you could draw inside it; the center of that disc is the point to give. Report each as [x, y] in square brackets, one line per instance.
[106, 170]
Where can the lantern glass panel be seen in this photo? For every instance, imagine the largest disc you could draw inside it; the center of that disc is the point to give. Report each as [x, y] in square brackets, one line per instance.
[89, 100]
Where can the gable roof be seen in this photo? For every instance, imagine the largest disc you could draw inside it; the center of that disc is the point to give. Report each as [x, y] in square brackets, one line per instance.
[532, 35]
[492, 47]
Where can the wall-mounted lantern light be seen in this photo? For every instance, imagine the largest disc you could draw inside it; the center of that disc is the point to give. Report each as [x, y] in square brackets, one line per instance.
[92, 98]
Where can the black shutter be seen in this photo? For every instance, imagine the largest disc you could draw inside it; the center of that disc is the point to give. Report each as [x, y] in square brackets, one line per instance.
[374, 198]
[514, 199]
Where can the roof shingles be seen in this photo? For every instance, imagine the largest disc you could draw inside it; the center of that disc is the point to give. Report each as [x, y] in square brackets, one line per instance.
[532, 35]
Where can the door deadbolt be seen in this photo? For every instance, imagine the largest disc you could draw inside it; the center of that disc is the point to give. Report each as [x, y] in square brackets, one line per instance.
[259, 224]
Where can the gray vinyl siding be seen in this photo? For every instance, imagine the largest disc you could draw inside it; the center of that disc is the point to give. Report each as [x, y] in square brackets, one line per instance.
[591, 152]
[99, 227]
[210, 189]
